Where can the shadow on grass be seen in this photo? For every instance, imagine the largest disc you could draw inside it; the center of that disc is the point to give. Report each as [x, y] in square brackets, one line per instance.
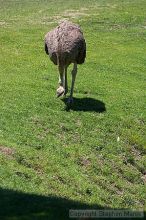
[16, 205]
[85, 104]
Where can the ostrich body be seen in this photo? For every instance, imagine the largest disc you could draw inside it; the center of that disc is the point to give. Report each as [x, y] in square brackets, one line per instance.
[65, 45]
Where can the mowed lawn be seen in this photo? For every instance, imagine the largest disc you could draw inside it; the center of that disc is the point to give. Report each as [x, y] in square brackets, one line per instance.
[92, 155]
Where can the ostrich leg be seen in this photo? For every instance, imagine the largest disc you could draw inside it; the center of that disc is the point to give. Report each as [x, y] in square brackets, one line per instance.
[61, 89]
[74, 73]
[66, 86]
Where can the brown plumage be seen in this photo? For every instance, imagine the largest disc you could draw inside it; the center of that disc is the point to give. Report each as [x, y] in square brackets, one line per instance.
[65, 45]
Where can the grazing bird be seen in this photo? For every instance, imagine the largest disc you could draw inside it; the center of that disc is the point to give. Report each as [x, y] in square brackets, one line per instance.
[65, 45]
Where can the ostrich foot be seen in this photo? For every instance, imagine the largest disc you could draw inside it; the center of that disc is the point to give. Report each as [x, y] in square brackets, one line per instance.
[60, 91]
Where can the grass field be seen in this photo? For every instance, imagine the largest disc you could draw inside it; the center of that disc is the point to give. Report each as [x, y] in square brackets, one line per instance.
[92, 156]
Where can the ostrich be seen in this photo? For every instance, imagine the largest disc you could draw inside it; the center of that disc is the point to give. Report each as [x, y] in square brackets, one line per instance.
[65, 45]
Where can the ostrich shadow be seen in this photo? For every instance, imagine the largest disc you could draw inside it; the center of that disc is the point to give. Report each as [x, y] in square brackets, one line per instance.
[27, 206]
[19, 205]
[85, 104]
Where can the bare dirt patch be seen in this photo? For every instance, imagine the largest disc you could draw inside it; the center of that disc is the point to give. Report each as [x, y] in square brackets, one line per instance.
[84, 162]
[7, 151]
[65, 15]
[75, 13]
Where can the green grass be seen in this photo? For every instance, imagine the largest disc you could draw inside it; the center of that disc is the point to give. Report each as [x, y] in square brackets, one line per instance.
[93, 154]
